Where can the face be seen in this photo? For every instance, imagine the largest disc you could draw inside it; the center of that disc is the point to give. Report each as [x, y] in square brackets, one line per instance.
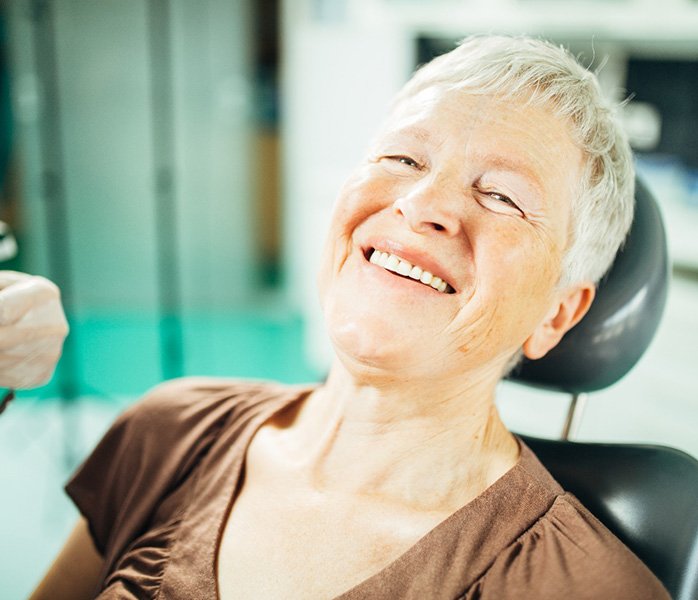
[470, 190]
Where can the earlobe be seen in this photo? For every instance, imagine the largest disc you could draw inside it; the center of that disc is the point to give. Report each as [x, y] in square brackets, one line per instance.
[572, 305]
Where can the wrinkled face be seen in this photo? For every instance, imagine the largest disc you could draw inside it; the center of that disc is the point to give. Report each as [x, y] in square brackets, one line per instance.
[446, 243]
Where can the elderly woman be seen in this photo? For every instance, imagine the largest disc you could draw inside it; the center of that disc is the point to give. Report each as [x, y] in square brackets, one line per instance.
[491, 201]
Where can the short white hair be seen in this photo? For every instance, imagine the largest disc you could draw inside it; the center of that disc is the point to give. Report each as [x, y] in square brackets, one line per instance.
[544, 74]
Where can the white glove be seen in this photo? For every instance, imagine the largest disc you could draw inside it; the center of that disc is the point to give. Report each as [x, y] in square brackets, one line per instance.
[32, 329]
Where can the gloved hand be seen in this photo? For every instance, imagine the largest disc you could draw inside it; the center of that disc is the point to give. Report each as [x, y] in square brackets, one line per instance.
[32, 329]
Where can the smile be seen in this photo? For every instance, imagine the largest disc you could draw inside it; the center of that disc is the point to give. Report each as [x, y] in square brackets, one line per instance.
[400, 266]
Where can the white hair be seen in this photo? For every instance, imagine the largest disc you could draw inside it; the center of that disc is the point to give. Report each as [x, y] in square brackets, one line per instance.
[544, 74]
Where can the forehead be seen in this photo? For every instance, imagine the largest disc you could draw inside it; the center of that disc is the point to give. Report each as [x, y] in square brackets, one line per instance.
[437, 113]
[505, 132]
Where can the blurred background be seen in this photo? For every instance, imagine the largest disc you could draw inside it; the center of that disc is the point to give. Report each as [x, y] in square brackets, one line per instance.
[171, 165]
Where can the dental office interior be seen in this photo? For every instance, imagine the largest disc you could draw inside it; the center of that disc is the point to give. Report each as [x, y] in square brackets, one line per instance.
[173, 166]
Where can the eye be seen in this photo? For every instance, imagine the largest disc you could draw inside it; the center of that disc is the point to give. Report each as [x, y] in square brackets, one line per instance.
[502, 198]
[502, 203]
[405, 160]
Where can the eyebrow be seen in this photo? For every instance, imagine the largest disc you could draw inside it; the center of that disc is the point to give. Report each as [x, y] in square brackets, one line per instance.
[422, 134]
[516, 167]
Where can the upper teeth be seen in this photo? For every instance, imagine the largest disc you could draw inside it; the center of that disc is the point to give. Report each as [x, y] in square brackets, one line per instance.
[398, 265]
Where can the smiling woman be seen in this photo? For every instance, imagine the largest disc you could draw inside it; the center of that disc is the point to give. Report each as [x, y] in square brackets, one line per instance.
[489, 204]
[484, 204]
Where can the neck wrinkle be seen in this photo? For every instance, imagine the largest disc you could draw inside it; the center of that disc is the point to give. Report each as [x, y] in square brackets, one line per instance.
[412, 442]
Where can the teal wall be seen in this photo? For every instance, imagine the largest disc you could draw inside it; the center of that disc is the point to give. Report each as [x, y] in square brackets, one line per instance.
[135, 146]
[119, 354]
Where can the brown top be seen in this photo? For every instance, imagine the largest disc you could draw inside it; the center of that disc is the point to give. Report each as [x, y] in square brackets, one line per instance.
[157, 490]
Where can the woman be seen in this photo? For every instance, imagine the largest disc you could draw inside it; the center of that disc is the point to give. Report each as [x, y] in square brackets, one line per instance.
[492, 199]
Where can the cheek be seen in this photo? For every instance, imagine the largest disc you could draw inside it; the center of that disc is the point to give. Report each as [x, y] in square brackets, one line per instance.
[515, 279]
[530, 259]
[361, 197]
[528, 294]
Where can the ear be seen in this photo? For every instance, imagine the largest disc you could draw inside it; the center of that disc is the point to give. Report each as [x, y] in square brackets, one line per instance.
[569, 308]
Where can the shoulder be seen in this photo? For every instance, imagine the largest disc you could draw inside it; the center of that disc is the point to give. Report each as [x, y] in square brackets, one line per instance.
[188, 402]
[155, 445]
[181, 418]
[175, 423]
[170, 396]
[569, 553]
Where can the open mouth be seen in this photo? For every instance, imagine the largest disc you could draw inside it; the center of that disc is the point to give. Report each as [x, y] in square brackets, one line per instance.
[404, 268]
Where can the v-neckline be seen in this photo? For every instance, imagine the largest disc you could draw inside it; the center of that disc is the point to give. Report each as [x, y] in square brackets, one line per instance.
[235, 470]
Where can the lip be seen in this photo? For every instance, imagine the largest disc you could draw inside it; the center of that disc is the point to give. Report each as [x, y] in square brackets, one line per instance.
[412, 255]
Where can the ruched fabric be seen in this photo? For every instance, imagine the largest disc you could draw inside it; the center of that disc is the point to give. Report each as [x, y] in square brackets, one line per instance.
[158, 488]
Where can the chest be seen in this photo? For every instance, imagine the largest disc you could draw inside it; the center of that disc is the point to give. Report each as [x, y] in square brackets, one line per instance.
[275, 550]
[281, 541]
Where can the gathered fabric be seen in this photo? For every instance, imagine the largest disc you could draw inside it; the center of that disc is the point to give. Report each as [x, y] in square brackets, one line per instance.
[158, 488]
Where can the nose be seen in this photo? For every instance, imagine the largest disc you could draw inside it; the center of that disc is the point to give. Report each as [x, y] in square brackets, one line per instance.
[427, 209]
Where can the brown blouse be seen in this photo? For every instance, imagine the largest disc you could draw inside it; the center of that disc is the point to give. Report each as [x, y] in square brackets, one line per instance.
[157, 490]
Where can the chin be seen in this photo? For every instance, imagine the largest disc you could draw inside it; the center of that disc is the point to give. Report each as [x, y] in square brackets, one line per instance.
[361, 338]
[369, 340]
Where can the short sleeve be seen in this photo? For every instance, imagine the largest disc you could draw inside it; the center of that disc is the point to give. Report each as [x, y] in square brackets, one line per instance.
[148, 451]
[568, 554]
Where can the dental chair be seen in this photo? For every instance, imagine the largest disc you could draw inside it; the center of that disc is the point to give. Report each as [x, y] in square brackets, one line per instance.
[646, 495]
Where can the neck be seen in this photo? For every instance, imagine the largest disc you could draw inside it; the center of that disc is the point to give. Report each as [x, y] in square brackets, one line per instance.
[411, 442]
